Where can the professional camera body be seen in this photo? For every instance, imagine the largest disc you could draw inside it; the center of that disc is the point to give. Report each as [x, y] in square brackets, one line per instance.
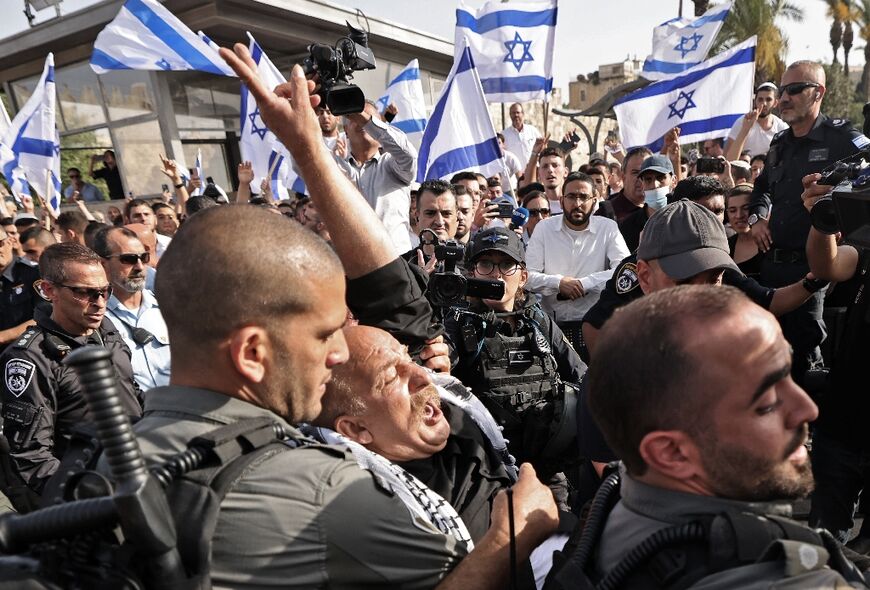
[335, 66]
[847, 210]
[449, 288]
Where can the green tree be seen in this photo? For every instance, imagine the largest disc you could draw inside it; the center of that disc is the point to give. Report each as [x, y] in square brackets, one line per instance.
[861, 10]
[840, 96]
[761, 18]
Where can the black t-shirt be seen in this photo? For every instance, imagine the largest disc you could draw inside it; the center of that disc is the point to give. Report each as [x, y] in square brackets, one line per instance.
[392, 298]
[467, 473]
[631, 226]
[18, 297]
[845, 406]
[112, 176]
[751, 267]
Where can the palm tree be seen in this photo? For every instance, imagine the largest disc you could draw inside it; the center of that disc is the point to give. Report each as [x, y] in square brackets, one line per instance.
[862, 14]
[760, 17]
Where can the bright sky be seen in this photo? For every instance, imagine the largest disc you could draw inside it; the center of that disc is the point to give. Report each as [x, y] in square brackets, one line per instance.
[590, 32]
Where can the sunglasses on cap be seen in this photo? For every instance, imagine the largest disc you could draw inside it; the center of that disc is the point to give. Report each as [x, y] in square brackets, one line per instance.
[796, 88]
[89, 294]
[130, 258]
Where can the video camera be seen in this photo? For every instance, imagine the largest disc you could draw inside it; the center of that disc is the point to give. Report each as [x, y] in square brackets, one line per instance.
[335, 66]
[847, 209]
[449, 288]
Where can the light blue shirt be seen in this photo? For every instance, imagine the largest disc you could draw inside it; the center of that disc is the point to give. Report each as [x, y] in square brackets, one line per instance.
[151, 361]
[89, 192]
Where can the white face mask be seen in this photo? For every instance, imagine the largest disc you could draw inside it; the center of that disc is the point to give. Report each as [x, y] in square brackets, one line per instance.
[656, 198]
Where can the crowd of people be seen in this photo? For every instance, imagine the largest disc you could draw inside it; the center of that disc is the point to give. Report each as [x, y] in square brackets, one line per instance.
[459, 380]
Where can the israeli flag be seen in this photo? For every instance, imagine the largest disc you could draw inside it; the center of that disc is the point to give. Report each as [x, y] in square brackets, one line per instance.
[197, 167]
[146, 36]
[680, 43]
[406, 92]
[268, 156]
[704, 102]
[512, 45]
[33, 143]
[460, 135]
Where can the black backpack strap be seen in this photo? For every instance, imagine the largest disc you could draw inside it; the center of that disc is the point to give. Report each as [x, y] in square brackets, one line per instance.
[230, 451]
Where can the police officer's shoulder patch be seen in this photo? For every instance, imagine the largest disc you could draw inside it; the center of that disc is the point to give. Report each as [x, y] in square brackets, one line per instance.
[19, 374]
[26, 339]
[779, 135]
[626, 278]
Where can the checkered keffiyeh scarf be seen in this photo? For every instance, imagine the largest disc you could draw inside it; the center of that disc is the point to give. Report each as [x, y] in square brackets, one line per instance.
[422, 502]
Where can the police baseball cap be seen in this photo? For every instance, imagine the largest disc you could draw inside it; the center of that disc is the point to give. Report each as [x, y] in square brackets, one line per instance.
[657, 163]
[497, 239]
[686, 239]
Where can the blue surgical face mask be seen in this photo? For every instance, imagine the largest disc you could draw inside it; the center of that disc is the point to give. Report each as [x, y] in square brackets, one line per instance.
[656, 198]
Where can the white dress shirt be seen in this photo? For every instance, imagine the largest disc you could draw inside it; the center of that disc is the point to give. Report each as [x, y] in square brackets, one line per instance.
[385, 180]
[521, 142]
[758, 140]
[555, 251]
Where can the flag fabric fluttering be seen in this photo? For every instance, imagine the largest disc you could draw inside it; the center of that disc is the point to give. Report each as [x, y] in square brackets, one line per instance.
[33, 143]
[512, 45]
[680, 43]
[703, 102]
[406, 92]
[268, 156]
[146, 36]
[459, 135]
[197, 168]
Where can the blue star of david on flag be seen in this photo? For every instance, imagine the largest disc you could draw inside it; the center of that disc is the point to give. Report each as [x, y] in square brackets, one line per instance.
[679, 110]
[255, 129]
[511, 47]
[383, 102]
[688, 44]
[163, 64]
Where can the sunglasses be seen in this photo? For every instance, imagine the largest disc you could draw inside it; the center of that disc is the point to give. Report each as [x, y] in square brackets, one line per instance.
[131, 259]
[541, 212]
[74, 176]
[796, 88]
[89, 294]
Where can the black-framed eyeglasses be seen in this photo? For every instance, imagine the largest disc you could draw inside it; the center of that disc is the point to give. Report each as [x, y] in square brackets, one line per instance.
[90, 294]
[578, 197]
[543, 212]
[131, 258]
[505, 267]
[796, 88]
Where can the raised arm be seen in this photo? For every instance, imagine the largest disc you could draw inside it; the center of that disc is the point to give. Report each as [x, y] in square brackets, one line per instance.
[170, 169]
[363, 244]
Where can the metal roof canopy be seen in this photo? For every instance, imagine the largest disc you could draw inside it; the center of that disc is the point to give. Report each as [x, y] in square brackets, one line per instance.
[282, 26]
[603, 109]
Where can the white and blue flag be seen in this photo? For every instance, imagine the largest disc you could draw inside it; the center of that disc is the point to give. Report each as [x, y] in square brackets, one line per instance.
[680, 43]
[33, 143]
[268, 156]
[146, 36]
[197, 168]
[704, 102]
[406, 92]
[512, 45]
[460, 135]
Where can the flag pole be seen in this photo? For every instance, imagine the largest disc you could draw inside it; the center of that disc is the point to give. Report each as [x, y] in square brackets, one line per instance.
[546, 115]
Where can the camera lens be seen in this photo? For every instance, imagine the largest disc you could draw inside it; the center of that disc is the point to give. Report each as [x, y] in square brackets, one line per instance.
[823, 216]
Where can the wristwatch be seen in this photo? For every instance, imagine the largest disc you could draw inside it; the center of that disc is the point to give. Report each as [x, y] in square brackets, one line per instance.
[754, 218]
[814, 285]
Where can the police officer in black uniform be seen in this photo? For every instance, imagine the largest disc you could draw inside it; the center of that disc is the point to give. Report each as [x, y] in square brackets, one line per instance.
[779, 222]
[41, 397]
[515, 358]
[17, 296]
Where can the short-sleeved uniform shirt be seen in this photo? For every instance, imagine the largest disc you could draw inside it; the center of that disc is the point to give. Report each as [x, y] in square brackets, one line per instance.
[18, 297]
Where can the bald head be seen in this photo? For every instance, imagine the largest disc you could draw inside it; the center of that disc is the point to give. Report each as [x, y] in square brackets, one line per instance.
[233, 266]
[351, 382]
[810, 71]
